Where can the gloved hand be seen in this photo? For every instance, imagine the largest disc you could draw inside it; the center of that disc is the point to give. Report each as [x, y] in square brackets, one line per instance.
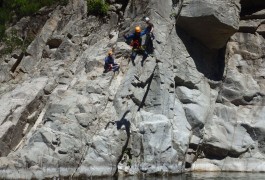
[152, 36]
[125, 36]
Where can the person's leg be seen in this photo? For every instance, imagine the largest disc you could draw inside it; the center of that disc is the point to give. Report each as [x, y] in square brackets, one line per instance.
[148, 44]
[145, 55]
[133, 56]
[151, 46]
[105, 68]
[115, 67]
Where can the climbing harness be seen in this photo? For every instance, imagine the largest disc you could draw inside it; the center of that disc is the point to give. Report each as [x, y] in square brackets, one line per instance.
[135, 44]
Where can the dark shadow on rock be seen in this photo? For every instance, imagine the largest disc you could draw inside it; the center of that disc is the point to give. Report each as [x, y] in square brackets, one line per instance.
[210, 62]
[124, 4]
[119, 124]
[219, 153]
[18, 61]
[257, 134]
[213, 152]
[249, 7]
[148, 82]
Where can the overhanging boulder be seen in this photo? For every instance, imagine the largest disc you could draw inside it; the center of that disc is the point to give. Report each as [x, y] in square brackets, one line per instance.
[205, 20]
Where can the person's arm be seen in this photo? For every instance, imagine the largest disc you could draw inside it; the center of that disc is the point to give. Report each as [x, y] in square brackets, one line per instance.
[113, 61]
[143, 32]
[129, 37]
[152, 29]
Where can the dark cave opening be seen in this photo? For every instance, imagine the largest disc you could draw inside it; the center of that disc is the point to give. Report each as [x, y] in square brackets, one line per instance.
[124, 4]
[249, 7]
[187, 165]
[210, 62]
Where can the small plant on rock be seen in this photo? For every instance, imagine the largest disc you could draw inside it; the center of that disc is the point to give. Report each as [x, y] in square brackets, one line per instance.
[12, 42]
[97, 7]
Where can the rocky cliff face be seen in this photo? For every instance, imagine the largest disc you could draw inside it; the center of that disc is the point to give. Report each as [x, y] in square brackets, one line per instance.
[197, 105]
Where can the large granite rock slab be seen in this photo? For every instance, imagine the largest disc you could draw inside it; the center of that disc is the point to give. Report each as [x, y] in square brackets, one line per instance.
[192, 105]
[19, 109]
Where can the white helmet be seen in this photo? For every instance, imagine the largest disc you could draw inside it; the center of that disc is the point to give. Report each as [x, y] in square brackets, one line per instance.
[146, 19]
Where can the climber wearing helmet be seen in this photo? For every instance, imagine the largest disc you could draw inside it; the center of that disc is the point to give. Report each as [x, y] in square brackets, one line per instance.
[110, 64]
[149, 36]
[136, 44]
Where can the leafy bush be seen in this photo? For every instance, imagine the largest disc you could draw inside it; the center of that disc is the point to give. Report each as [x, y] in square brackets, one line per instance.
[29, 7]
[97, 7]
[4, 17]
[12, 42]
[22, 8]
[25, 9]
[2, 31]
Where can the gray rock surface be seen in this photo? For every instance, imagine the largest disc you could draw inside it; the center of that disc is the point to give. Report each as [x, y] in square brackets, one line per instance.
[18, 108]
[197, 104]
[205, 20]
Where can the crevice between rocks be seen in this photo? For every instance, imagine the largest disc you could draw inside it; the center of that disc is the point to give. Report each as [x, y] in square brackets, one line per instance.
[181, 82]
[246, 100]
[257, 135]
[218, 153]
[16, 64]
[15, 134]
[135, 100]
[9, 115]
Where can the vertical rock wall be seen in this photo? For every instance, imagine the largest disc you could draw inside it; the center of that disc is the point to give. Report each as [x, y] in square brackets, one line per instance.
[233, 137]
[197, 104]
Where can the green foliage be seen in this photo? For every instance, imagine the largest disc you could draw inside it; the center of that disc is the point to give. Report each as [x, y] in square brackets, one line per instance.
[22, 8]
[2, 31]
[29, 7]
[63, 2]
[97, 7]
[4, 16]
[11, 42]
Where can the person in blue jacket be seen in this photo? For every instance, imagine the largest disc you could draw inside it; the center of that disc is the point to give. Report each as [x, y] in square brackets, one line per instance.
[110, 64]
[136, 44]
